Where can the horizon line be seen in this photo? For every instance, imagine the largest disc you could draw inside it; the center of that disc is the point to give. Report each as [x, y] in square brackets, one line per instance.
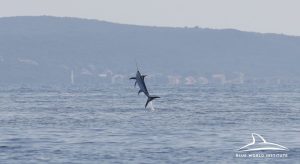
[153, 26]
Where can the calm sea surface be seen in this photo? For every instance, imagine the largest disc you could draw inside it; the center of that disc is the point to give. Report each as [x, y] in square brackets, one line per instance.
[199, 124]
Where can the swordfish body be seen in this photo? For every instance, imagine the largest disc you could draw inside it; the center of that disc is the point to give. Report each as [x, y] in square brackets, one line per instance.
[140, 80]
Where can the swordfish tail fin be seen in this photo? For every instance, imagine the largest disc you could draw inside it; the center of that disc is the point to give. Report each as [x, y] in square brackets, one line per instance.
[150, 98]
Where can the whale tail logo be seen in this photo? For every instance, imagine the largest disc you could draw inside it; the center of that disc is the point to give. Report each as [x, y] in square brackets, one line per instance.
[259, 143]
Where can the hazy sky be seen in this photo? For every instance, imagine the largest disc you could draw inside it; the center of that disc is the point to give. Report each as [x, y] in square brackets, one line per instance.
[276, 16]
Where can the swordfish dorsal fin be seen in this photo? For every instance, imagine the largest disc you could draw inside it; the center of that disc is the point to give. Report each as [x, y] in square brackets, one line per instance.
[256, 138]
[143, 76]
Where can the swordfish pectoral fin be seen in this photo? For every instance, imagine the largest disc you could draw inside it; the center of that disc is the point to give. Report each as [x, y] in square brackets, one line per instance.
[133, 78]
[135, 83]
[150, 98]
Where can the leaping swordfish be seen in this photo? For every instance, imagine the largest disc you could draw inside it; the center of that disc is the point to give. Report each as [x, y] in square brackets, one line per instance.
[140, 80]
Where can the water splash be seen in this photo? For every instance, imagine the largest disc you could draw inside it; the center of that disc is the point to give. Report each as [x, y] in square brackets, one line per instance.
[151, 106]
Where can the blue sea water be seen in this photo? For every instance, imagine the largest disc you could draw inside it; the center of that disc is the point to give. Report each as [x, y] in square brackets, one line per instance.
[108, 124]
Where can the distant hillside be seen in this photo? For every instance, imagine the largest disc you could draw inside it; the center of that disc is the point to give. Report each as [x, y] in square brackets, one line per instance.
[46, 49]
